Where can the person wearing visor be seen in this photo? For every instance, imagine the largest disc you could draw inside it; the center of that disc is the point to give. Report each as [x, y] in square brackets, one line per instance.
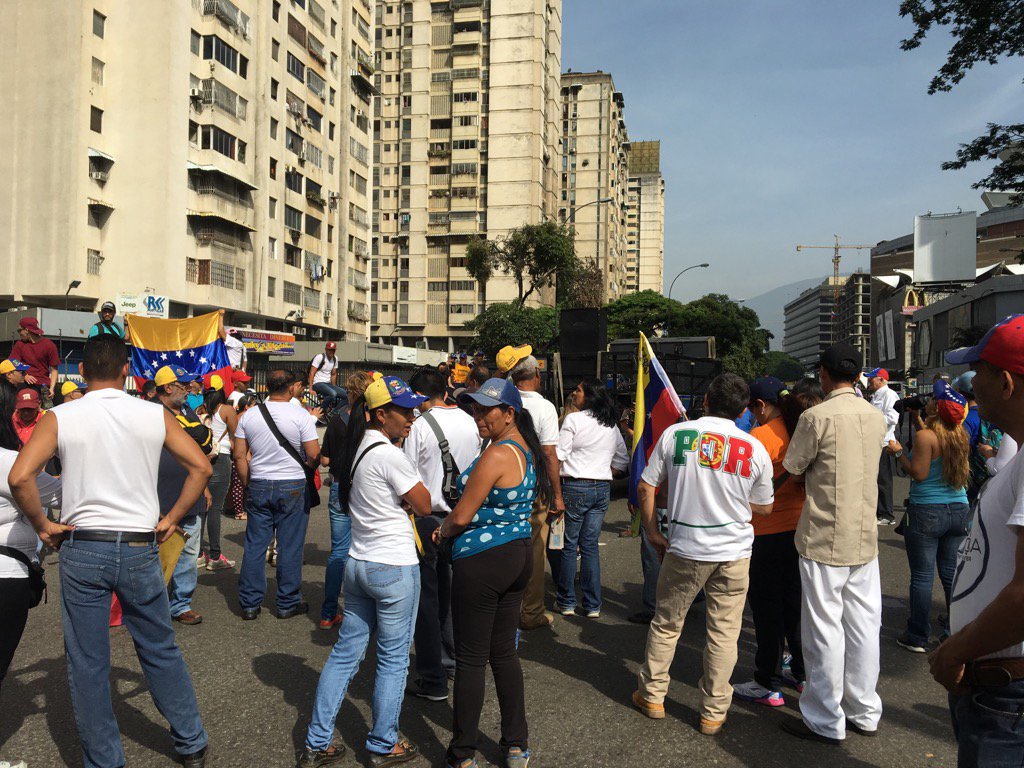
[492, 561]
[938, 517]
[106, 322]
[377, 483]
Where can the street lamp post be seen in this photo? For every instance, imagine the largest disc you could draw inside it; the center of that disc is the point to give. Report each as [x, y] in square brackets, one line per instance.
[694, 266]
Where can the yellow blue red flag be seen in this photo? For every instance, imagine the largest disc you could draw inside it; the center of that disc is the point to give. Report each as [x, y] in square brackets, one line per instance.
[657, 407]
[194, 343]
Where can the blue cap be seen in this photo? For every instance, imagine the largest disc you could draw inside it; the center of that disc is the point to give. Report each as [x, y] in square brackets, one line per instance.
[495, 392]
[767, 388]
[965, 382]
[391, 390]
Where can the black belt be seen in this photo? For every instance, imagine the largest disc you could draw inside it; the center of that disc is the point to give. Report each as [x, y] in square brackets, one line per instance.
[122, 536]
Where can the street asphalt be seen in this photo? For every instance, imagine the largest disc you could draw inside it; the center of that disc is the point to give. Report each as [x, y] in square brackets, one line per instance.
[255, 682]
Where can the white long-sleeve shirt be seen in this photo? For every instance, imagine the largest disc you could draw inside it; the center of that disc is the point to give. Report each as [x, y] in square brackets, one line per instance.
[885, 399]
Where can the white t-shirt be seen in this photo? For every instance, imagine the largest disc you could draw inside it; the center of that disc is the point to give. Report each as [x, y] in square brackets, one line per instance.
[987, 556]
[326, 366]
[423, 449]
[544, 415]
[381, 529]
[715, 471]
[109, 444]
[269, 460]
[588, 449]
[236, 351]
[234, 397]
[16, 531]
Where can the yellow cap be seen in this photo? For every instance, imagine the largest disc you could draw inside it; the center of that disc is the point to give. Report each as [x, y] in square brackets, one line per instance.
[68, 387]
[509, 357]
[216, 382]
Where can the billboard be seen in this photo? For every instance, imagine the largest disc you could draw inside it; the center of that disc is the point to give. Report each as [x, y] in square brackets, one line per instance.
[265, 342]
[945, 247]
[144, 304]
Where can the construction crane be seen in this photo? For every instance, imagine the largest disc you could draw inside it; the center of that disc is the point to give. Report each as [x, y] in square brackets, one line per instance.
[835, 248]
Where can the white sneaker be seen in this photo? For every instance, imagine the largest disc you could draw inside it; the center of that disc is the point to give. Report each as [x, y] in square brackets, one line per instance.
[758, 694]
[564, 610]
[593, 614]
[19, 764]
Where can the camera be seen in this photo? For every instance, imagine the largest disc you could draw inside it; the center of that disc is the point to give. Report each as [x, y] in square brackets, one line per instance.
[912, 403]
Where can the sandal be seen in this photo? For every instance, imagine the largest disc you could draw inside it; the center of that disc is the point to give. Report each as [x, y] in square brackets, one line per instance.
[516, 757]
[402, 752]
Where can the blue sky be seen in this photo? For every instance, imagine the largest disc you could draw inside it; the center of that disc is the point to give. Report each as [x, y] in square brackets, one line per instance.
[785, 122]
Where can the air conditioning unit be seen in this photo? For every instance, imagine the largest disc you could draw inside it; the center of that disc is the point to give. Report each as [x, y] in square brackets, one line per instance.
[195, 93]
[98, 175]
[317, 333]
[327, 313]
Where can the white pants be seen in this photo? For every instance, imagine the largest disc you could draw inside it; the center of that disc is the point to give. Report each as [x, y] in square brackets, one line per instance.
[840, 624]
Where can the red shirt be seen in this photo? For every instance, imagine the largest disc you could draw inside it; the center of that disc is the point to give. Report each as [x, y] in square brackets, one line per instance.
[41, 356]
[25, 430]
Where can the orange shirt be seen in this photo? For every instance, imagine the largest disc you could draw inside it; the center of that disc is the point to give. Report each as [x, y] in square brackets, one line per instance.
[789, 497]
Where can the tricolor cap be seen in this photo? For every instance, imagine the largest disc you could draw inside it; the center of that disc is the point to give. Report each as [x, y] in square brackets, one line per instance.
[391, 390]
[27, 399]
[509, 357]
[952, 406]
[767, 388]
[494, 392]
[10, 365]
[879, 372]
[71, 386]
[1002, 346]
[172, 373]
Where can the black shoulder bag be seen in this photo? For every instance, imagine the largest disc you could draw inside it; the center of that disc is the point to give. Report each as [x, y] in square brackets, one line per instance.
[312, 494]
[449, 480]
[36, 582]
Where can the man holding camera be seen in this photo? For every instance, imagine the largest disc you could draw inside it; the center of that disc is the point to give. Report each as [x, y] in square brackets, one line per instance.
[884, 399]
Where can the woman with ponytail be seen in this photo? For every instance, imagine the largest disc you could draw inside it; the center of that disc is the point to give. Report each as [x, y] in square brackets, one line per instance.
[377, 484]
[223, 420]
[937, 518]
[489, 535]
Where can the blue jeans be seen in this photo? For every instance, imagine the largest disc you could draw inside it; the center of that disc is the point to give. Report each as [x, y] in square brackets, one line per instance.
[331, 395]
[933, 533]
[341, 540]
[186, 573]
[382, 598]
[273, 505]
[586, 502]
[89, 572]
[989, 726]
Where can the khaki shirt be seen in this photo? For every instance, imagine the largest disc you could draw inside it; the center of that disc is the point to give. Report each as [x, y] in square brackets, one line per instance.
[836, 446]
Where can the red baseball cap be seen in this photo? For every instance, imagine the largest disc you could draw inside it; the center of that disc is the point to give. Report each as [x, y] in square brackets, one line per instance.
[331, 345]
[31, 325]
[1002, 346]
[27, 399]
[240, 375]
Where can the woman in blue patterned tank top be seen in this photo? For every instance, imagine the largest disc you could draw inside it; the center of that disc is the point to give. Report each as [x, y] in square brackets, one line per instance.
[491, 565]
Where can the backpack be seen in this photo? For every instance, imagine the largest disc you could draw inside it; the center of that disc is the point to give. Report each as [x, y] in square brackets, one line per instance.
[451, 472]
[323, 361]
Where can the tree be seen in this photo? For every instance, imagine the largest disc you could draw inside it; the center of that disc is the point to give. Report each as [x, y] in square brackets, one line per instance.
[643, 312]
[782, 366]
[532, 255]
[581, 288]
[739, 338]
[983, 31]
[502, 324]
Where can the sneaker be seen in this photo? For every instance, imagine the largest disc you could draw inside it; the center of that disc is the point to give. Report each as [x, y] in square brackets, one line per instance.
[791, 681]
[220, 564]
[312, 758]
[886, 521]
[19, 764]
[758, 694]
[906, 642]
[787, 661]
[202, 560]
[565, 610]
[415, 688]
[593, 614]
[517, 758]
[326, 624]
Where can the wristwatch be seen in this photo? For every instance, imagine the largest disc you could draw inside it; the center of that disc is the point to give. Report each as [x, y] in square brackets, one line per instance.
[898, 453]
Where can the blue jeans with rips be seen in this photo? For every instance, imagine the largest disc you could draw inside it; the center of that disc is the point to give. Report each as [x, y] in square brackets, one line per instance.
[586, 502]
[273, 505]
[186, 573]
[341, 540]
[381, 598]
[90, 571]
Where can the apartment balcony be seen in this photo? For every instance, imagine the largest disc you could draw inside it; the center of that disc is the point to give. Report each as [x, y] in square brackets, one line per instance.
[358, 310]
[359, 280]
[216, 208]
[228, 13]
[366, 62]
[439, 179]
[471, 37]
[440, 134]
[459, 4]
[363, 82]
[439, 152]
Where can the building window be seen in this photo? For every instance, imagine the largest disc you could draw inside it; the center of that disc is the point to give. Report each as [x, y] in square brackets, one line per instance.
[315, 119]
[216, 49]
[293, 180]
[272, 208]
[293, 258]
[292, 293]
[97, 71]
[273, 128]
[99, 23]
[273, 168]
[273, 89]
[223, 142]
[296, 68]
[93, 261]
[277, 10]
[292, 218]
[272, 249]
[292, 141]
[271, 287]
[96, 120]
[197, 43]
[275, 49]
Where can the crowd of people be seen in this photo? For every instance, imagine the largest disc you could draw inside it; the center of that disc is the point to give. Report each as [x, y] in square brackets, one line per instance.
[449, 493]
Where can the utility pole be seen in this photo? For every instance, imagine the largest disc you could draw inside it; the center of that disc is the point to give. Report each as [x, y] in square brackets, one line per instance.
[835, 248]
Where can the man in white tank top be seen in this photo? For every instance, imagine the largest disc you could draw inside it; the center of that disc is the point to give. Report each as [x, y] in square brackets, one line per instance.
[109, 444]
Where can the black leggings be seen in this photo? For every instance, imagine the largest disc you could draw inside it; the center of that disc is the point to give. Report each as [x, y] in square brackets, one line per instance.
[774, 597]
[14, 600]
[487, 594]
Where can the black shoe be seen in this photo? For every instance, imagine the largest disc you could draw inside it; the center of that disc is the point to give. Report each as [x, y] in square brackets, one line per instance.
[415, 688]
[312, 758]
[298, 610]
[640, 617]
[196, 759]
[406, 752]
[250, 614]
[799, 729]
[852, 726]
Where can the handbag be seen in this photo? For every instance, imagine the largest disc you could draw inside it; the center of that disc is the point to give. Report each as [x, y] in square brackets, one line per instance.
[36, 580]
[312, 489]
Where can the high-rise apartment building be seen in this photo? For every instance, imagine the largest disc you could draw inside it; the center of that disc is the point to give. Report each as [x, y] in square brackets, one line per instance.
[213, 151]
[595, 161]
[809, 322]
[465, 145]
[853, 315]
[645, 218]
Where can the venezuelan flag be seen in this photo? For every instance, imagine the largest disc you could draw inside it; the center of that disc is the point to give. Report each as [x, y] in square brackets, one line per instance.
[194, 343]
[657, 407]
